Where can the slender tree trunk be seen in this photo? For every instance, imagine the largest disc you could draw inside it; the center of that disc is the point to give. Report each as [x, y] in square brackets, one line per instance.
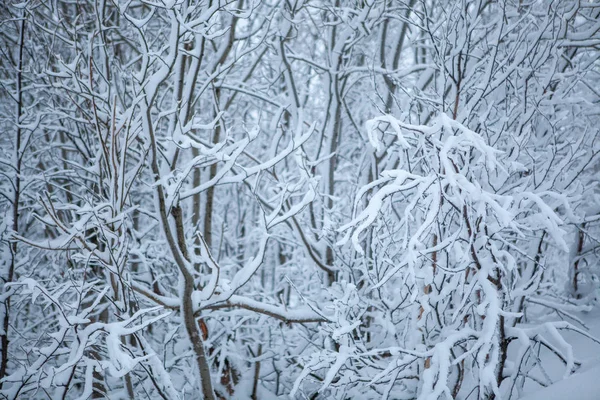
[18, 157]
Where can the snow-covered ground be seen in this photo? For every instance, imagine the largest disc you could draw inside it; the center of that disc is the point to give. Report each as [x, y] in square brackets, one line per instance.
[584, 384]
[581, 386]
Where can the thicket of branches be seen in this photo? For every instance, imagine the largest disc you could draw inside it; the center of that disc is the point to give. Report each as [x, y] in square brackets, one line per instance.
[367, 199]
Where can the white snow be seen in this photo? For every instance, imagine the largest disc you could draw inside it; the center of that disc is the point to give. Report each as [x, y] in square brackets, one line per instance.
[579, 386]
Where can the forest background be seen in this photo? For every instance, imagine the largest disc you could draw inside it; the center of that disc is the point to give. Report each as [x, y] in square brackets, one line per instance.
[315, 199]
